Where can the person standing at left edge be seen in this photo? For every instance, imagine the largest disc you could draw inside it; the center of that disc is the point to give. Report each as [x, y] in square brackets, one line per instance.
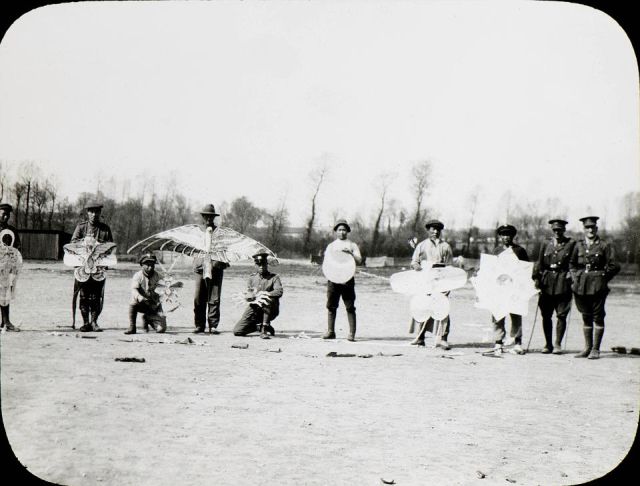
[209, 274]
[593, 264]
[10, 237]
[346, 290]
[554, 281]
[91, 292]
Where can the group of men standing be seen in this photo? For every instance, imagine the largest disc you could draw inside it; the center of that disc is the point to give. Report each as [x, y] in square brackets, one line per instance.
[565, 269]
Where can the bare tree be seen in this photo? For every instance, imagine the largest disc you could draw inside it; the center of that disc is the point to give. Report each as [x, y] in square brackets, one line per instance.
[277, 222]
[421, 176]
[28, 173]
[472, 204]
[317, 177]
[384, 182]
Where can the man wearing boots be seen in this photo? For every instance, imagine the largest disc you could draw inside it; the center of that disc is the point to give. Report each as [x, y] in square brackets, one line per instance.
[10, 261]
[506, 234]
[592, 264]
[208, 284]
[437, 252]
[346, 290]
[554, 281]
[145, 299]
[91, 292]
[263, 293]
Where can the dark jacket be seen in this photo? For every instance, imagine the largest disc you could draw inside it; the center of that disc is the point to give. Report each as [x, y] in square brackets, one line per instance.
[101, 232]
[520, 252]
[592, 267]
[552, 267]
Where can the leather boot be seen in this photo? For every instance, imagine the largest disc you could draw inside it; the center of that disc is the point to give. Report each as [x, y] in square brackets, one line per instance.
[86, 327]
[598, 332]
[547, 328]
[351, 316]
[588, 342]
[94, 322]
[133, 314]
[331, 326]
[561, 327]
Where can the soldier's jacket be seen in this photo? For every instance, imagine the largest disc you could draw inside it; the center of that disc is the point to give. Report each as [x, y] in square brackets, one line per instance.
[101, 232]
[592, 267]
[270, 284]
[552, 267]
[520, 252]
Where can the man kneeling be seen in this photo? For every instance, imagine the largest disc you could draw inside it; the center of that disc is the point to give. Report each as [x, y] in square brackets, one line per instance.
[263, 293]
[145, 299]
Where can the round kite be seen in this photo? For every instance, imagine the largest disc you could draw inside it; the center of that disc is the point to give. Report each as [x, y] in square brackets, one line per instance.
[338, 267]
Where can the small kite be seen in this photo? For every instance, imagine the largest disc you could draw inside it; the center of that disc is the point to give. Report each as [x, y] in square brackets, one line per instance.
[504, 284]
[10, 266]
[90, 258]
[167, 289]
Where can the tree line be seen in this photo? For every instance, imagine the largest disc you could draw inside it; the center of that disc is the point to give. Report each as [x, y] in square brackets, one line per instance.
[38, 204]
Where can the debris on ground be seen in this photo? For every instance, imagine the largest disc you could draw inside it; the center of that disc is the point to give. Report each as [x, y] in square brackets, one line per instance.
[384, 481]
[302, 335]
[86, 337]
[131, 360]
[480, 474]
[333, 354]
[240, 346]
[634, 351]
[391, 354]
[619, 349]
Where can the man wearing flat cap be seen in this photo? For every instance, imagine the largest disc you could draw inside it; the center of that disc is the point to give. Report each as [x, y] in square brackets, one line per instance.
[263, 293]
[435, 252]
[345, 290]
[506, 234]
[91, 292]
[593, 264]
[144, 298]
[209, 275]
[554, 281]
[11, 263]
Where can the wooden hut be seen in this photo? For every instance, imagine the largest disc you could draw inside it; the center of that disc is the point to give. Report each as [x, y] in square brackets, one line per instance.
[43, 244]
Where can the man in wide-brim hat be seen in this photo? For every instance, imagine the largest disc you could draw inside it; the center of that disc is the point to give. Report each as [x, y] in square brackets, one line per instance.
[144, 298]
[554, 281]
[346, 290]
[438, 252]
[593, 264]
[208, 284]
[506, 234]
[91, 292]
[263, 293]
[11, 263]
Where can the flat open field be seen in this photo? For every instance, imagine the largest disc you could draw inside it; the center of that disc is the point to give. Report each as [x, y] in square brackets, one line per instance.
[282, 412]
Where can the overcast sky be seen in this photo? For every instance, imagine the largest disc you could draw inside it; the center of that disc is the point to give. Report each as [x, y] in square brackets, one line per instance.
[245, 98]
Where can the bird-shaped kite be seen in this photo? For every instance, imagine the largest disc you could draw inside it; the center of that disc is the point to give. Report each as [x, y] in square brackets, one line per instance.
[90, 258]
[10, 265]
[166, 289]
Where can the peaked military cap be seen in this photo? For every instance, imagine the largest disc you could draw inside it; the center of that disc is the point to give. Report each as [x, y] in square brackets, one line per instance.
[507, 229]
[93, 204]
[7, 207]
[558, 223]
[342, 222]
[434, 223]
[209, 209]
[148, 257]
[589, 221]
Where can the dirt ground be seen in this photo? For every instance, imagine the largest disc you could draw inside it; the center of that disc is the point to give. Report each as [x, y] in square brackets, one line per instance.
[282, 412]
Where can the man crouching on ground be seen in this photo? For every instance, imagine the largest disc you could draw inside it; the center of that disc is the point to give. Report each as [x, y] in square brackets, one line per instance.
[145, 299]
[263, 293]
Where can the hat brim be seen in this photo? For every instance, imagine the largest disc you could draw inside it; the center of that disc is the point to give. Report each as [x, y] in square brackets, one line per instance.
[207, 213]
[335, 228]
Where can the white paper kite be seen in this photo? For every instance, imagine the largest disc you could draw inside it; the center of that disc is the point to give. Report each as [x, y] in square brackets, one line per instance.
[10, 266]
[428, 280]
[504, 284]
[338, 267]
[425, 306]
[222, 244]
[90, 258]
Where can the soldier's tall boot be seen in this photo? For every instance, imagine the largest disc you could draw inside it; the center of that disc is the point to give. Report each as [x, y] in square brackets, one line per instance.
[84, 311]
[351, 316]
[133, 314]
[547, 329]
[6, 322]
[94, 321]
[598, 332]
[588, 341]
[331, 325]
[561, 327]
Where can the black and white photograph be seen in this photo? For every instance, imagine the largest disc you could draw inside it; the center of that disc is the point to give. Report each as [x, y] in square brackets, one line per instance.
[318, 242]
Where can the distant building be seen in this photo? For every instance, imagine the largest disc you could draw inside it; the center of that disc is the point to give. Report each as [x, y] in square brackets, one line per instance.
[43, 244]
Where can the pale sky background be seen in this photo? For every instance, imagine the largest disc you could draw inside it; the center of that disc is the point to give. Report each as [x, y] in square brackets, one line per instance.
[245, 98]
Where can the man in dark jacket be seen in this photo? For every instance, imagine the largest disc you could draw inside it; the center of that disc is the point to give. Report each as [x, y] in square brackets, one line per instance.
[506, 234]
[263, 293]
[593, 264]
[209, 274]
[91, 292]
[554, 281]
[10, 238]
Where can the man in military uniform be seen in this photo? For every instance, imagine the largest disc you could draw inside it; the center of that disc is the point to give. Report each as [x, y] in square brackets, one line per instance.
[10, 238]
[554, 281]
[345, 290]
[263, 293]
[208, 284]
[438, 252]
[506, 234]
[593, 264]
[91, 292]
